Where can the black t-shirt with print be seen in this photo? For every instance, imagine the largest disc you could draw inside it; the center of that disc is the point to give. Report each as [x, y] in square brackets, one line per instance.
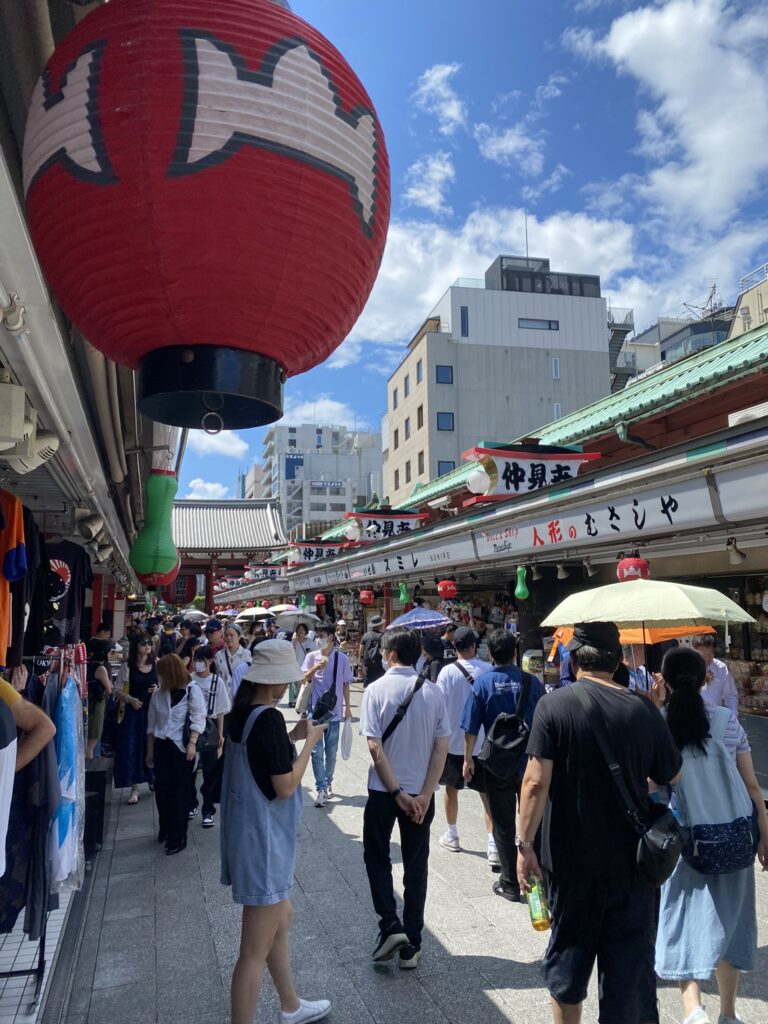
[71, 564]
[270, 752]
[586, 835]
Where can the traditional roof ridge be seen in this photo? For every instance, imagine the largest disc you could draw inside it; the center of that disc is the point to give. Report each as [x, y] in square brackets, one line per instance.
[682, 381]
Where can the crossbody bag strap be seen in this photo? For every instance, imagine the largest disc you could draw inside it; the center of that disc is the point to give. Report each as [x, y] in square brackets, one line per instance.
[466, 673]
[400, 713]
[212, 695]
[522, 700]
[600, 734]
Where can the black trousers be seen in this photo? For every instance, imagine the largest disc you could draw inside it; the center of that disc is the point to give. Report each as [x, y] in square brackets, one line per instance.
[503, 798]
[172, 781]
[381, 813]
[206, 762]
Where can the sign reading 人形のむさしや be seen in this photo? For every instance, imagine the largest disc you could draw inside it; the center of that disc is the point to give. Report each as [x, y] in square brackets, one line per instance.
[380, 524]
[511, 473]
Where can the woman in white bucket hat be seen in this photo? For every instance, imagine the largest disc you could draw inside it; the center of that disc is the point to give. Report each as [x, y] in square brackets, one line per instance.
[260, 811]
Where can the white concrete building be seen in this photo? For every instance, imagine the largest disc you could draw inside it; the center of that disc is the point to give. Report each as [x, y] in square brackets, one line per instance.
[250, 485]
[320, 471]
[494, 359]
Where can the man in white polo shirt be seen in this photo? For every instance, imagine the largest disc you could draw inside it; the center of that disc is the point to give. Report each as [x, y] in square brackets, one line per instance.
[407, 730]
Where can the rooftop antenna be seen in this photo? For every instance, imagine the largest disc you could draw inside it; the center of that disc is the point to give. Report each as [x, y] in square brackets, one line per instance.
[525, 211]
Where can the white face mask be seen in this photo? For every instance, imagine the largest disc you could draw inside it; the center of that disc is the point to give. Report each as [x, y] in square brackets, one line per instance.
[201, 667]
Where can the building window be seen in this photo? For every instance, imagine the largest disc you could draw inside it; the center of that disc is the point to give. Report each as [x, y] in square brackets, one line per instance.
[555, 368]
[336, 491]
[420, 371]
[444, 374]
[465, 321]
[420, 417]
[291, 430]
[336, 506]
[538, 325]
[291, 442]
[317, 506]
[317, 489]
[406, 385]
[407, 427]
[408, 471]
[319, 439]
[394, 398]
[557, 410]
[396, 440]
[397, 479]
[445, 467]
[420, 463]
[445, 421]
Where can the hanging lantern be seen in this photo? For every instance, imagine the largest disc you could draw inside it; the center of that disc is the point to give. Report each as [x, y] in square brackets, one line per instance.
[403, 594]
[319, 599]
[367, 597]
[182, 591]
[207, 188]
[265, 603]
[154, 556]
[633, 569]
[303, 603]
[447, 589]
[521, 588]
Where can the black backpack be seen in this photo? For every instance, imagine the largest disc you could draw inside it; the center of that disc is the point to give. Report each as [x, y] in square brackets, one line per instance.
[372, 658]
[506, 741]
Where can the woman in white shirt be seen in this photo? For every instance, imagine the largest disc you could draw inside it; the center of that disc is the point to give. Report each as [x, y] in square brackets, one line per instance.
[211, 743]
[231, 655]
[169, 753]
[302, 645]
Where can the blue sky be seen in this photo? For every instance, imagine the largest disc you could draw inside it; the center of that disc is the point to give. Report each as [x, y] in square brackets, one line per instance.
[633, 133]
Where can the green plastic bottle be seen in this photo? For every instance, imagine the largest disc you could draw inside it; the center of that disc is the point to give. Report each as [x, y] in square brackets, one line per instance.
[537, 904]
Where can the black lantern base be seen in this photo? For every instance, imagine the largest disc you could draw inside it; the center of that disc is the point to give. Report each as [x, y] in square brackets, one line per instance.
[210, 388]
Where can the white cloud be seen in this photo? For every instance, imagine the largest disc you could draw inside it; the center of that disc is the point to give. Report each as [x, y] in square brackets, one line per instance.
[428, 181]
[512, 147]
[322, 409]
[553, 183]
[228, 443]
[552, 88]
[202, 490]
[704, 69]
[435, 95]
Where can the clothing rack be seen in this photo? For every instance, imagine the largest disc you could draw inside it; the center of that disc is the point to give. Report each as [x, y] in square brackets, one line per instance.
[37, 972]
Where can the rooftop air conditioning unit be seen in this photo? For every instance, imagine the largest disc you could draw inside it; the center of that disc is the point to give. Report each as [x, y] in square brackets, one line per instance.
[754, 412]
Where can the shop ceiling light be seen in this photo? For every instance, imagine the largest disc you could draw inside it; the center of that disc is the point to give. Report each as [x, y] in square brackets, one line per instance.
[735, 555]
[589, 568]
[536, 573]
[562, 572]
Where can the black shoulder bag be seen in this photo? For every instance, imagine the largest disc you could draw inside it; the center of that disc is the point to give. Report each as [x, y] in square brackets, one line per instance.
[209, 740]
[400, 713]
[328, 700]
[506, 741]
[660, 839]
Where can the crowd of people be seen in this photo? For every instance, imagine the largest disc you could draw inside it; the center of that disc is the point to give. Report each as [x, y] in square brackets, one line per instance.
[430, 713]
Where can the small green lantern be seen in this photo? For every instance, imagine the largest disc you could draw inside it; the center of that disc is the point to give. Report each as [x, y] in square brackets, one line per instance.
[403, 594]
[521, 590]
[303, 602]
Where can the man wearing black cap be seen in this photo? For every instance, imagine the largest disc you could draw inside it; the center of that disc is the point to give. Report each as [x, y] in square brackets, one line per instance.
[449, 651]
[602, 908]
[214, 635]
[370, 651]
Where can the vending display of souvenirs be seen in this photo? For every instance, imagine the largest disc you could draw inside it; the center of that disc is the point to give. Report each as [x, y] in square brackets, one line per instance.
[750, 666]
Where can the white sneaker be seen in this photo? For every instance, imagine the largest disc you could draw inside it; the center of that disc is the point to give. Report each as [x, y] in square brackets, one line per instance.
[320, 801]
[307, 1012]
[449, 842]
[493, 856]
[329, 791]
[697, 1017]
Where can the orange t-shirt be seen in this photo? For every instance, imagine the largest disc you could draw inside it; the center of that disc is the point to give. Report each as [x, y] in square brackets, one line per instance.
[13, 562]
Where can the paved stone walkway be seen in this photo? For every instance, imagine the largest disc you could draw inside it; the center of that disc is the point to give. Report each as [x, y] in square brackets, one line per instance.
[162, 934]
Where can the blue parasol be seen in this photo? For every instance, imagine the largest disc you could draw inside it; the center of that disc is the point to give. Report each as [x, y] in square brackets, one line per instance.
[421, 618]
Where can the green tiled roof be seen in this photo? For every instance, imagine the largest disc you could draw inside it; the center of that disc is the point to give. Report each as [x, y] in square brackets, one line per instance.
[423, 493]
[336, 532]
[688, 379]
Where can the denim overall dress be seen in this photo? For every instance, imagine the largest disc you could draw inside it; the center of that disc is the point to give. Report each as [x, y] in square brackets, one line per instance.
[258, 836]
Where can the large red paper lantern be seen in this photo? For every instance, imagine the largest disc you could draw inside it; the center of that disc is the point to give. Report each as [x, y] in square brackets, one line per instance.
[366, 597]
[208, 191]
[447, 589]
[319, 598]
[633, 569]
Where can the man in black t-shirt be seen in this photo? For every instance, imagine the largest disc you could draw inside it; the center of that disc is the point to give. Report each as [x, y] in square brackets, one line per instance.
[601, 908]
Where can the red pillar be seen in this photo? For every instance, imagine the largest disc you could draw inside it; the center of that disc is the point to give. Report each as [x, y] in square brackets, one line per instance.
[210, 579]
[98, 598]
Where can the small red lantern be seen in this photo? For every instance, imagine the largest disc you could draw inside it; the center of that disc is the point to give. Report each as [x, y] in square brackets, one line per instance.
[633, 569]
[319, 598]
[265, 604]
[367, 597]
[447, 589]
[207, 188]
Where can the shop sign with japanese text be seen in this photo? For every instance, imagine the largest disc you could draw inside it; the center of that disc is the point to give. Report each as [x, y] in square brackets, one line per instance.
[417, 559]
[514, 474]
[312, 551]
[626, 519]
[381, 526]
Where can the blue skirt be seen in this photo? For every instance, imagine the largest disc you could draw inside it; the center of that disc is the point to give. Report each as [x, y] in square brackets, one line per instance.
[704, 919]
[131, 749]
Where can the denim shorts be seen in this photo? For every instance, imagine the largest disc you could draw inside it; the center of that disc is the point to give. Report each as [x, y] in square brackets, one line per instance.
[611, 922]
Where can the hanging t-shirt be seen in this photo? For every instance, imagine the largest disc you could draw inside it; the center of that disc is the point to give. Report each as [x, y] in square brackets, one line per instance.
[7, 772]
[13, 562]
[72, 565]
[23, 590]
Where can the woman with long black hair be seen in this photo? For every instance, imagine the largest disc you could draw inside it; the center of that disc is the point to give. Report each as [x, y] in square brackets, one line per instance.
[260, 811]
[707, 920]
[136, 683]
